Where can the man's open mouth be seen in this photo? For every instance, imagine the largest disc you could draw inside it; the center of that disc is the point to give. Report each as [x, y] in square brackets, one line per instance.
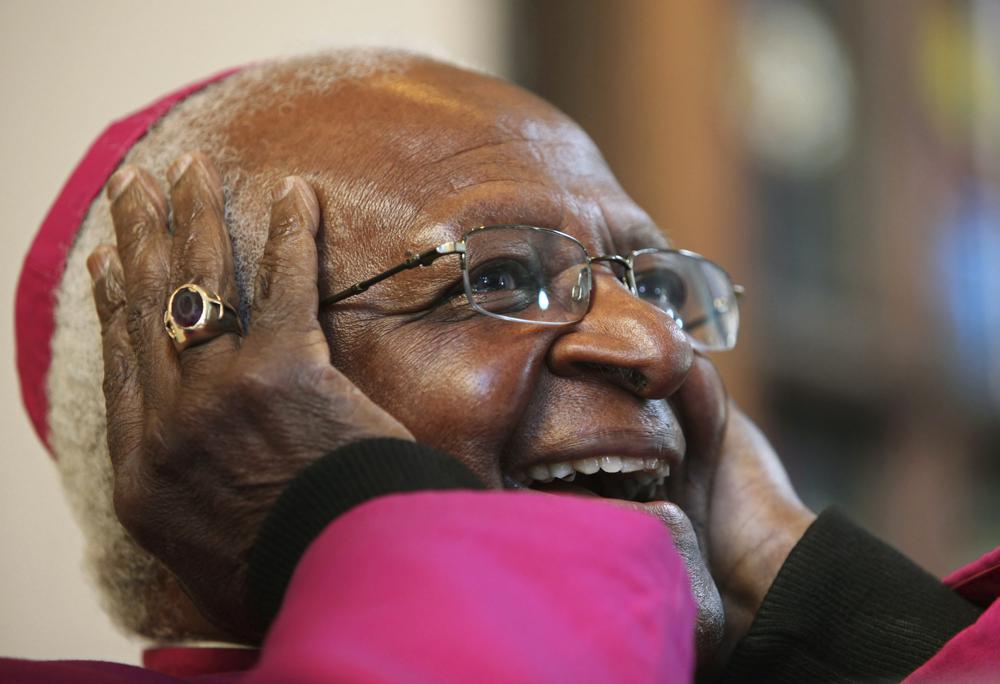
[614, 477]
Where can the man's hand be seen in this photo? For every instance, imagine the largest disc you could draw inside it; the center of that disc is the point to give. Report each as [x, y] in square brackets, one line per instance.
[203, 440]
[756, 518]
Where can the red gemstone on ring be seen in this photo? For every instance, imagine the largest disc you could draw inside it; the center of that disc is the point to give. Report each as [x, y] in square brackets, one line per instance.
[187, 308]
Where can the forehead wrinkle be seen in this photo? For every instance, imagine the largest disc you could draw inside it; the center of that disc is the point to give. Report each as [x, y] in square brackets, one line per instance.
[491, 135]
[470, 163]
[536, 148]
[459, 127]
[452, 155]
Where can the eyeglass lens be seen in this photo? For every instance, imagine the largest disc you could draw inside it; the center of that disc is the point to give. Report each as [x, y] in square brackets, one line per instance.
[525, 274]
[693, 291]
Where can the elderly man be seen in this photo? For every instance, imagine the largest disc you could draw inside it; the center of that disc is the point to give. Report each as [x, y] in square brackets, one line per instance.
[483, 287]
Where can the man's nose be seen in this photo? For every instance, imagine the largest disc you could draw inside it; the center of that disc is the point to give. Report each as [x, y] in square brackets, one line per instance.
[625, 341]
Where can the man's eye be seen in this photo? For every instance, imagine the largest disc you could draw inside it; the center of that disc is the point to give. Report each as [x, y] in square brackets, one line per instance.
[505, 286]
[499, 276]
[662, 288]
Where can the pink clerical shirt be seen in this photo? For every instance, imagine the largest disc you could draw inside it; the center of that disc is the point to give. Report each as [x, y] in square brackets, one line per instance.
[443, 587]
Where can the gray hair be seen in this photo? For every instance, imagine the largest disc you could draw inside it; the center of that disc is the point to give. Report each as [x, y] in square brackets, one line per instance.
[137, 591]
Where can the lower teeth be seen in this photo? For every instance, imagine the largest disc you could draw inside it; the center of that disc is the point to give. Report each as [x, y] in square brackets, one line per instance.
[638, 486]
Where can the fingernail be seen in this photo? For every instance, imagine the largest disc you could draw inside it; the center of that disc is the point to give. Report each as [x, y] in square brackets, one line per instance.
[122, 179]
[282, 188]
[177, 169]
[312, 204]
[97, 263]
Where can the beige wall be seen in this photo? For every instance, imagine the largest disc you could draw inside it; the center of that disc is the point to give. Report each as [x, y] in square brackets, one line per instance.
[67, 69]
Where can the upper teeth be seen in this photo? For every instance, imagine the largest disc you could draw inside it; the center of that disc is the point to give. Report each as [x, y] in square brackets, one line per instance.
[653, 469]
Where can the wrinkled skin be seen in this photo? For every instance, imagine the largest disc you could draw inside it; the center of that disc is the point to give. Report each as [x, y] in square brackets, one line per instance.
[417, 160]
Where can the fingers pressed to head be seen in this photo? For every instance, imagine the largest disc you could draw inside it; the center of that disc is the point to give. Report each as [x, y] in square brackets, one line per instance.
[122, 393]
[201, 252]
[286, 298]
[139, 212]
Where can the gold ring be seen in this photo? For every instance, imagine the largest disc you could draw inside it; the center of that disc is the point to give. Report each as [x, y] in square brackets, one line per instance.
[195, 316]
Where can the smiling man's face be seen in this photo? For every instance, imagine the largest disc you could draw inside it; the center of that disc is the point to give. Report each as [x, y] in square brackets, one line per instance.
[405, 162]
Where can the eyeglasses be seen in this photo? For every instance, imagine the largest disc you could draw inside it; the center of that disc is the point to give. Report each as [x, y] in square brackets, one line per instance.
[541, 276]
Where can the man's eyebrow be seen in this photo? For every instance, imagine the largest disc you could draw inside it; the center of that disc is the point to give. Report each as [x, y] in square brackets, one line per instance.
[424, 236]
[642, 235]
[503, 201]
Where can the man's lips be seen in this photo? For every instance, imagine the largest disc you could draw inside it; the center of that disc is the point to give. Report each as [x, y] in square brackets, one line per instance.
[634, 470]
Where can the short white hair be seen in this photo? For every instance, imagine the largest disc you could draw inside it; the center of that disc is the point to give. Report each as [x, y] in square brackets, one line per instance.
[137, 591]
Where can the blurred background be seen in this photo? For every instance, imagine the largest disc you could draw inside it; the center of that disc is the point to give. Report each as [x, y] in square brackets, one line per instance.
[840, 158]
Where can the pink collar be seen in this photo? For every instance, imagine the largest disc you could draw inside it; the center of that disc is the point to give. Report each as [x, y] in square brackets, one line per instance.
[187, 661]
[978, 581]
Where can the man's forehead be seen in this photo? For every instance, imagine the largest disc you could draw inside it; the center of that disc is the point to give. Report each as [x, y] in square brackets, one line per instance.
[425, 115]
[410, 159]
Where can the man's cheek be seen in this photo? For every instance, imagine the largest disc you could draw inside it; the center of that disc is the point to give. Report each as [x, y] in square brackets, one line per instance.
[701, 405]
[486, 396]
[462, 394]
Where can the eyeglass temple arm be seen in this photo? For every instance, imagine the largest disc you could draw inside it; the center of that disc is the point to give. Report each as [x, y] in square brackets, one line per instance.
[422, 259]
